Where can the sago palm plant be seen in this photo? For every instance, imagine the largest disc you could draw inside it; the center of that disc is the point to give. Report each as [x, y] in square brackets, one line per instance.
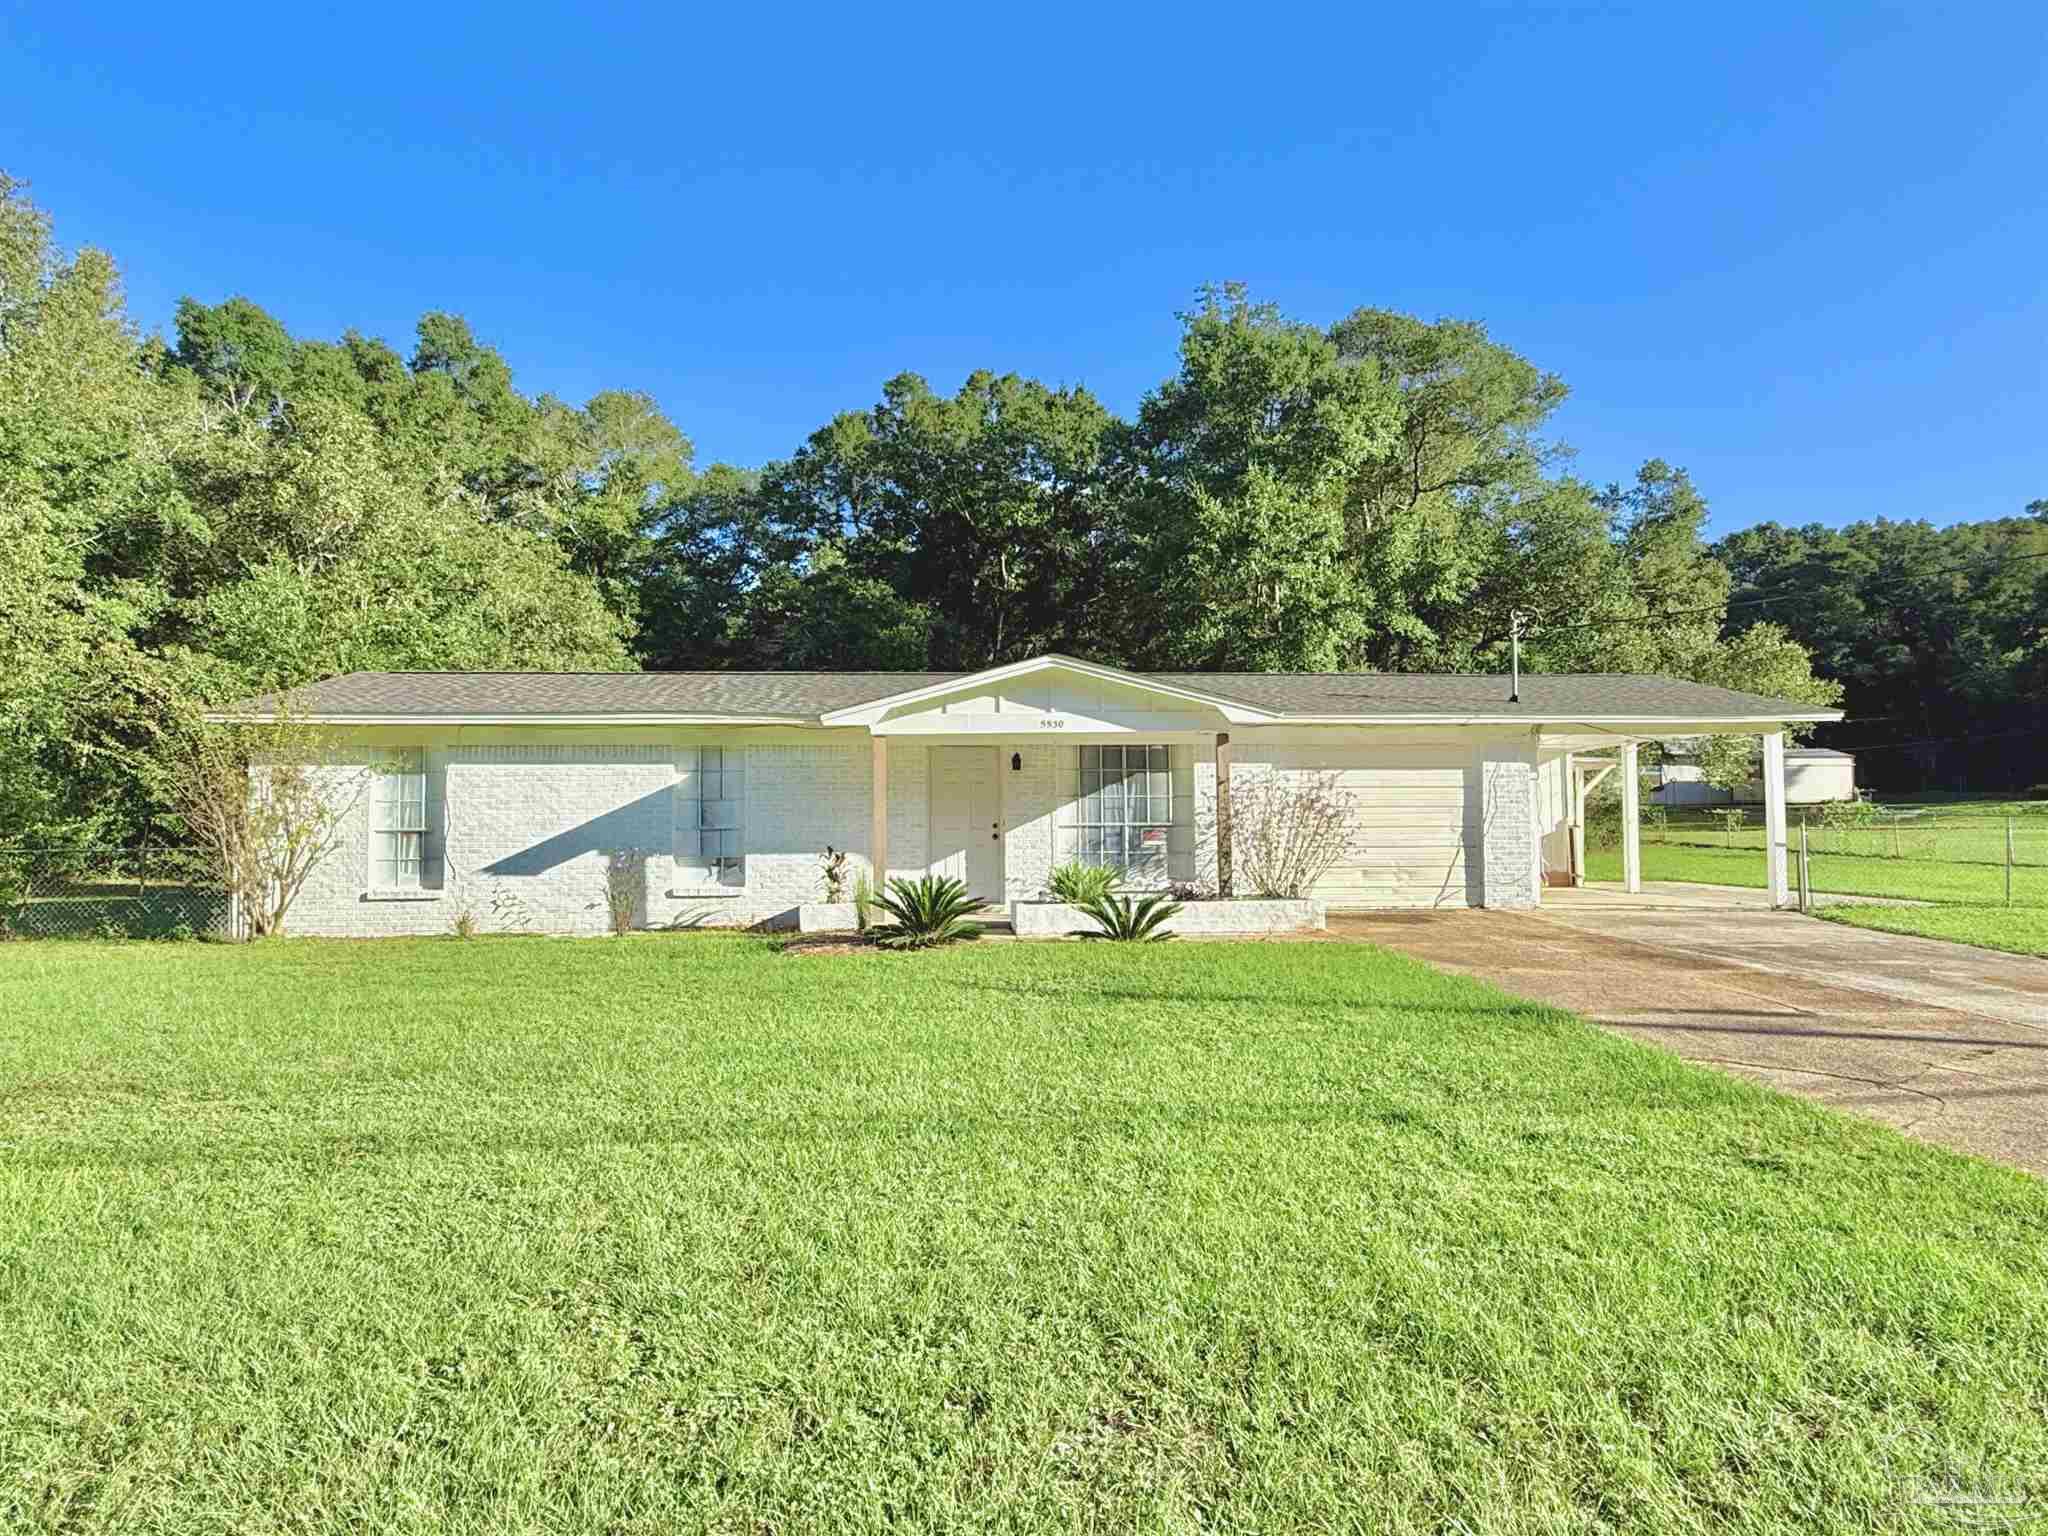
[928, 912]
[1140, 922]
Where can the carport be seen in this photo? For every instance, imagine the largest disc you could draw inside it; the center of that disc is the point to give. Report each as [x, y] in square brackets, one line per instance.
[1572, 762]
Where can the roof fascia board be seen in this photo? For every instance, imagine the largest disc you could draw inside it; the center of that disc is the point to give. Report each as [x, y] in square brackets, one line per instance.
[221, 718]
[872, 711]
[1237, 714]
[1646, 722]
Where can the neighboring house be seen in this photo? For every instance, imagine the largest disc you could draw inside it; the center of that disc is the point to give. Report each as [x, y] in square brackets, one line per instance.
[1813, 776]
[510, 794]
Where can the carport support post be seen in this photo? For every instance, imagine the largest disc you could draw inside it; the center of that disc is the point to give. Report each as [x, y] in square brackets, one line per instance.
[1571, 815]
[1575, 792]
[1223, 827]
[1775, 878]
[1631, 820]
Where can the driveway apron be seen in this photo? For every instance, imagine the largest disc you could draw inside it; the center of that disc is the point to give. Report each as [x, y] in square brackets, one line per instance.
[1940, 1041]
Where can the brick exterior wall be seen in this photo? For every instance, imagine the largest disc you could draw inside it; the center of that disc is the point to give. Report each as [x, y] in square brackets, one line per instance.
[523, 830]
[909, 808]
[1509, 855]
[525, 833]
[1032, 799]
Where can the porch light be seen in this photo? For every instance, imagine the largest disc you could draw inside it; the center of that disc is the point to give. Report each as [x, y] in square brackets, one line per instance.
[1016, 762]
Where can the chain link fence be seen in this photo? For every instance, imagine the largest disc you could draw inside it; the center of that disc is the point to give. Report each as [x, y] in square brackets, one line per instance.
[113, 893]
[1960, 853]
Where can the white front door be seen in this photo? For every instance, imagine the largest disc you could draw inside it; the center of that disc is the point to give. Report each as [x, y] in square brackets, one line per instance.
[966, 818]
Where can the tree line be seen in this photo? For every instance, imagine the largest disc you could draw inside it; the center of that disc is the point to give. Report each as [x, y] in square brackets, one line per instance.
[192, 518]
[1938, 638]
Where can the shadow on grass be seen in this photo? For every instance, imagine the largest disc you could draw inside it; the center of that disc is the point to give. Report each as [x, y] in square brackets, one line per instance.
[1066, 993]
[1433, 1124]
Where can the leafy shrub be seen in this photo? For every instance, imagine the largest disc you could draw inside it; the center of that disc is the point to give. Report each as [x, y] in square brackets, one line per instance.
[863, 901]
[625, 881]
[465, 924]
[928, 912]
[833, 862]
[1288, 830]
[1138, 922]
[1079, 884]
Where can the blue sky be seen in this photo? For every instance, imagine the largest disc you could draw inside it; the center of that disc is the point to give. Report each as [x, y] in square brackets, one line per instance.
[1802, 251]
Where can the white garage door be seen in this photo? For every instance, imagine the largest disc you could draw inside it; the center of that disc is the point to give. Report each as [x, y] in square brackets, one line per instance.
[1410, 829]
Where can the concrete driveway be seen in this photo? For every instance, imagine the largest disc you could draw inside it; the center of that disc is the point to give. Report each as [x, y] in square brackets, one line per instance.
[1940, 1041]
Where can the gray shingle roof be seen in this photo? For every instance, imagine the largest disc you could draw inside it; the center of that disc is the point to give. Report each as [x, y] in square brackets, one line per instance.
[796, 695]
[807, 695]
[1544, 695]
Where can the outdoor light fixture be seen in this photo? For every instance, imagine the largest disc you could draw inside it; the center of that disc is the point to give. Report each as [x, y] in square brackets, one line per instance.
[1016, 762]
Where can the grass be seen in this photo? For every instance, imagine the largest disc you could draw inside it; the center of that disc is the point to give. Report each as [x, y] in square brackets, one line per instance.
[1923, 879]
[2017, 930]
[683, 1233]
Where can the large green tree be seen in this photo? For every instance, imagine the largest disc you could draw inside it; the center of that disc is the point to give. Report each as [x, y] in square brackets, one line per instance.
[241, 509]
[1239, 478]
[87, 453]
[979, 517]
[1460, 521]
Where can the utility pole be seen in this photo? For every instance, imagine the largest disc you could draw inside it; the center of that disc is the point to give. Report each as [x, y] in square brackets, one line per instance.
[1515, 654]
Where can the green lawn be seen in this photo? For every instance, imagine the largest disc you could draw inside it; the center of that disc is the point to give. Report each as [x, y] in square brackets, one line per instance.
[1923, 879]
[2020, 930]
[682, 1233]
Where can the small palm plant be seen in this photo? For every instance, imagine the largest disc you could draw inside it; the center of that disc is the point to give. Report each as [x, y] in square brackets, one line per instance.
[1139, 922]
[928, 912]
[1077, 884]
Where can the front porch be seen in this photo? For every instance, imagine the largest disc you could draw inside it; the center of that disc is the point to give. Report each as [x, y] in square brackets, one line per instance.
[999, 813]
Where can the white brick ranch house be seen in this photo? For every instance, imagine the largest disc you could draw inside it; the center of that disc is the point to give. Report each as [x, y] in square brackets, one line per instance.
[509, 795]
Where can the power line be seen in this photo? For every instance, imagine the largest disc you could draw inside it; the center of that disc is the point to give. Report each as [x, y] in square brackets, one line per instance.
[1985, 567]
[1930, 741]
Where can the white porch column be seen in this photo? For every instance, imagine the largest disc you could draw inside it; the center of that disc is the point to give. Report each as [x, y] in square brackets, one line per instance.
[1631, 820]
[878, 812]
[1774, 819]
[1226, 834]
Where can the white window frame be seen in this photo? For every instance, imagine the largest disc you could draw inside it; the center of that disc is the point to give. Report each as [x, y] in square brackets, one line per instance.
[1115, 828]
[400, 810]
[711, 815]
